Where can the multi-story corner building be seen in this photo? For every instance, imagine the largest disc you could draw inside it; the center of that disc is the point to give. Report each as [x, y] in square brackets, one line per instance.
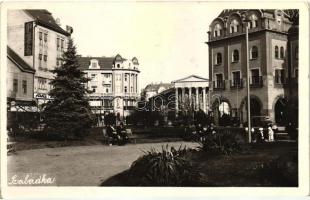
[37, 38]
[114, 82]
[273, 63]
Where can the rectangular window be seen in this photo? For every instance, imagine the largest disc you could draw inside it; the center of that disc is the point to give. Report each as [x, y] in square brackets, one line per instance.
[279, 76]
[24, 86]
[255, 76]
[236, 78]
[58, 43]
[40, 35]
[125, 77]
[45, 58]
[62, 45]
[94, 65]
[45, 37]
[125, 89]
[107, 90]
[15, 85]
[40, 56]
[219, 80]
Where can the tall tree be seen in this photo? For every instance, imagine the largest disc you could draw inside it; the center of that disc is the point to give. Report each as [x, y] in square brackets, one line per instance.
[293, 15]
[68, 113]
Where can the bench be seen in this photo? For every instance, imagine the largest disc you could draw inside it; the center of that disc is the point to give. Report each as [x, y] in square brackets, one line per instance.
[131, 136]
[106, 139]
[11, 147]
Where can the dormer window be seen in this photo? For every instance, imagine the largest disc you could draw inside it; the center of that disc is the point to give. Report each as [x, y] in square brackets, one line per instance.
[94, 64]
[253, 21]
[234, 26]
[217, 30]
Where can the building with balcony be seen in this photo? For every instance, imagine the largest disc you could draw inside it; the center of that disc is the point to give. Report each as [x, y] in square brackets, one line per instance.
[38, 39]
[273, 63]
[114, 83]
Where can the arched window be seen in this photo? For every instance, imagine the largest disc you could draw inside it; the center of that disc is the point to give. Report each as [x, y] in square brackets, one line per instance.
[253, 21]
[254, 52]
[118, 65]
[218, 59]
[234, 26]
[276, 52]
[296, 53]
[235, 56]
[217, 30]
[281, 52]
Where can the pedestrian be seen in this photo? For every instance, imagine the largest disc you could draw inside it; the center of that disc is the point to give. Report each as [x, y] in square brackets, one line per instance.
[111, 132]
[270, 134]
[261, 134]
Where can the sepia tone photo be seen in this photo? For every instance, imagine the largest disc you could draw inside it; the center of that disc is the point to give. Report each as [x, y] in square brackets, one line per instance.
[161, 94]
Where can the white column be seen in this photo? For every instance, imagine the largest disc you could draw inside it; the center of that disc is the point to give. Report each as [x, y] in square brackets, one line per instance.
[183, 95]
[190, 96]
[176, 101]
[197, 98]
[204, 99]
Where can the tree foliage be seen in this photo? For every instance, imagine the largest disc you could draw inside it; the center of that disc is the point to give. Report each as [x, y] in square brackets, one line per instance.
[68, 113]
[293, 15]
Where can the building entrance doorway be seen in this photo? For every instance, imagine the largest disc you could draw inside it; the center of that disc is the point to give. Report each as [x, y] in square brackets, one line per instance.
[280, 111]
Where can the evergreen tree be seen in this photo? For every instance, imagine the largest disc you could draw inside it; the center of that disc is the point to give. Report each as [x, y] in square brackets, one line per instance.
[68, 113]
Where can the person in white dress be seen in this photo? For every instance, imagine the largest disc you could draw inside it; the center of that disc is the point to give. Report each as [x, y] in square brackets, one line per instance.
[270, 134]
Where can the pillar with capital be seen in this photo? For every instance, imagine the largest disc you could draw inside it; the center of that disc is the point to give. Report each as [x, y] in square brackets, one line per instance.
[204, 99]
[183, 95]
[176, 102]
[190, 96]
[197, 98]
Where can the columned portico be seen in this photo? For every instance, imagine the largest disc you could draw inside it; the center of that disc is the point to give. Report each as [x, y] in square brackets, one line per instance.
[191, 86]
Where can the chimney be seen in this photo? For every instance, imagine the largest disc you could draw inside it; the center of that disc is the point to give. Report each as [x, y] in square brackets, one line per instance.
[58, 21]
[69, 29]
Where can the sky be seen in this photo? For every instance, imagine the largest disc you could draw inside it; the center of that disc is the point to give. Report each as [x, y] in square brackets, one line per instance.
[167, 38]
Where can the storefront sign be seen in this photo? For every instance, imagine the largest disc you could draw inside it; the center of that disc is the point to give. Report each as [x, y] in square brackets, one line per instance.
[28, 38]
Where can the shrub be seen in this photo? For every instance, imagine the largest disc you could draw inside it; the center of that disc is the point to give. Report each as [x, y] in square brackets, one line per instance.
[170, 167]
[225, 144]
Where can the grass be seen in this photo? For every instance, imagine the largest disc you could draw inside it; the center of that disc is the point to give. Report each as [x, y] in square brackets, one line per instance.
[248, 169]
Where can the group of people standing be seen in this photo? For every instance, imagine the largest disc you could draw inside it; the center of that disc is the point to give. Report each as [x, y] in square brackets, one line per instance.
[118, 135]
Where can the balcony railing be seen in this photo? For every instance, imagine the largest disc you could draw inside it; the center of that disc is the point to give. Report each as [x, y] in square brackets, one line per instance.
[219, 85]
[257, 81]
[236, 84]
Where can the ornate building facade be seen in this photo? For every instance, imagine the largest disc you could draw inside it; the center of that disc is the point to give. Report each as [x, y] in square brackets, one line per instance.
[273, 63]
[114, 82]
[190, 93]
[38, 39]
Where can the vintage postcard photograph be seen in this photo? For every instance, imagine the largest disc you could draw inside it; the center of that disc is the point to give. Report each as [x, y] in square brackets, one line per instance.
[145, 96]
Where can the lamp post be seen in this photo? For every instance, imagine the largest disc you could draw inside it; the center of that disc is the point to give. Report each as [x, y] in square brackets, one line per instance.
[248, 77]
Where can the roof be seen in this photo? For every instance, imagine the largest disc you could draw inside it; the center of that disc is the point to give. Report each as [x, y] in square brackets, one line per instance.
[44, 18]
[227, 12]
[155, 87]
[191, 78]
[20, 63]
[104, 62]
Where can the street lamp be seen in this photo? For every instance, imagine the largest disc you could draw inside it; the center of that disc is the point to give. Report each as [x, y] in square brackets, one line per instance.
[248, 76]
